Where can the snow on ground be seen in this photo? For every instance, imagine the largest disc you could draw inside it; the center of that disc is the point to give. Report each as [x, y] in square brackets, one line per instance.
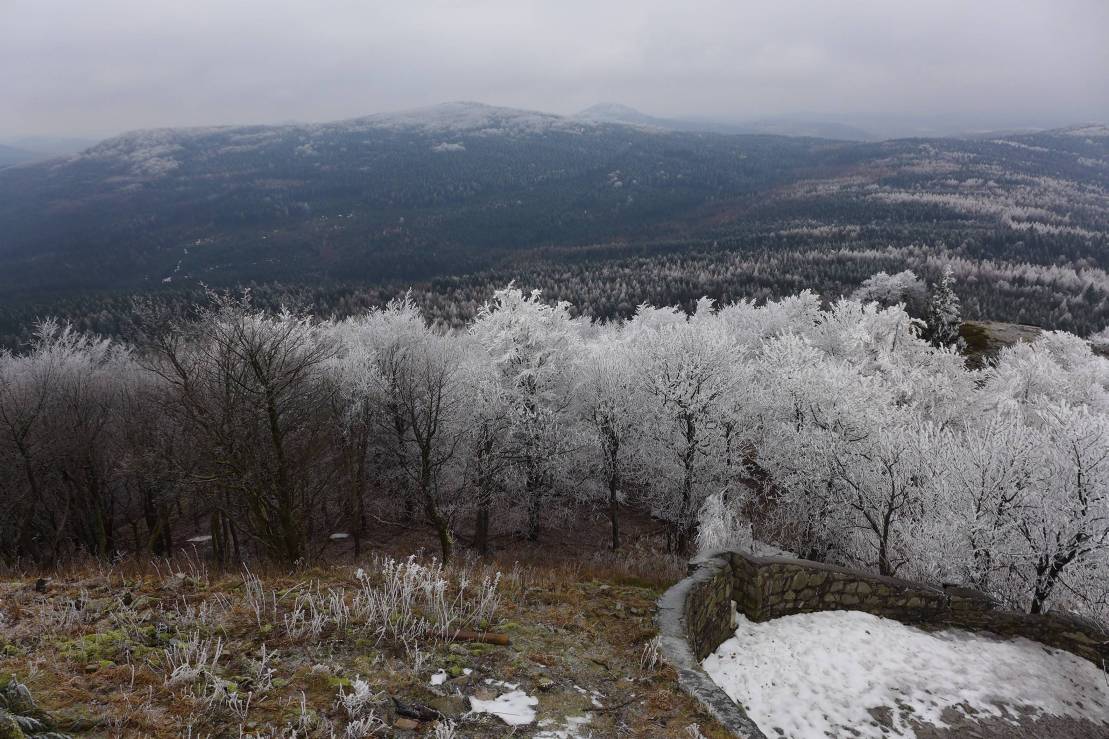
[820, 674]
[515, 708]
[441, 676]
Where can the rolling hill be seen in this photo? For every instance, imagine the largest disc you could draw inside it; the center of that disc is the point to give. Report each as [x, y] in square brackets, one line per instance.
[464, 187]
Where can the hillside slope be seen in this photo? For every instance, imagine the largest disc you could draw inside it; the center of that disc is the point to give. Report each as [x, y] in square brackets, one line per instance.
[461, 187]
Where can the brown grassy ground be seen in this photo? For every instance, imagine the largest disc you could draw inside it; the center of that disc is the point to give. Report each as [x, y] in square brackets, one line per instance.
[93, 650]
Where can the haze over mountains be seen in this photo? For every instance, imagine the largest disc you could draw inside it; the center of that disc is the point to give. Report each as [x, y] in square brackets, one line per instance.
[22, 149]
[780, 126]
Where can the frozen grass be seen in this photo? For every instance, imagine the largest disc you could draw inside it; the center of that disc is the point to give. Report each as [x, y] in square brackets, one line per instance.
[171, 649]
[826, 674]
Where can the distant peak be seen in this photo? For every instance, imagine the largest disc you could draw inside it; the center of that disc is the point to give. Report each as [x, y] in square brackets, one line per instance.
[468, 116]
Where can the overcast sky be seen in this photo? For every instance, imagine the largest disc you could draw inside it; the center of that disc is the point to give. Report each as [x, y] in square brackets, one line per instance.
[76, 67]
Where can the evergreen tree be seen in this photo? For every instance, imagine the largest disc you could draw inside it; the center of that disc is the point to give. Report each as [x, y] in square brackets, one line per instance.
[944, 312]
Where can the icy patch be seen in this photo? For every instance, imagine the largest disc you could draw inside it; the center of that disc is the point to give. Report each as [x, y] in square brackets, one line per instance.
[515, 708]
[820, 674]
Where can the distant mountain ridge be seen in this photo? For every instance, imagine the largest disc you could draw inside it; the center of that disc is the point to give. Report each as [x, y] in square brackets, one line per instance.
[482, 118]
[459, 187]
[774, 126]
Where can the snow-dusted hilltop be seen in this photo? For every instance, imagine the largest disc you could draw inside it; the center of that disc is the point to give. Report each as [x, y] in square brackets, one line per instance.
[455, 117]
[466, 117]
[624, 115]
[1092, 130]
[156, 152]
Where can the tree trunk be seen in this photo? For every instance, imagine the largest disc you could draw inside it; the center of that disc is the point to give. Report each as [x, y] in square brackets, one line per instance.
[442, 529]
[481, 529]
[534, 496]
[614, 509]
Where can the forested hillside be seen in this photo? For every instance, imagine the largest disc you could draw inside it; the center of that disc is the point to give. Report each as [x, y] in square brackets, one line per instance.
[461, 197]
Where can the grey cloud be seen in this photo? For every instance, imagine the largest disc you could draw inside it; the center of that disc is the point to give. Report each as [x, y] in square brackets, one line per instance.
[74, 67]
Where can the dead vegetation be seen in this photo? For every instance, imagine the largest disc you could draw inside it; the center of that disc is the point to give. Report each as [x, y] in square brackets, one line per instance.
[172, 648]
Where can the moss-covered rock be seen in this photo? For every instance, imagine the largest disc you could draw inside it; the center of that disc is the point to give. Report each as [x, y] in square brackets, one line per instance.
[9, 729]
[20, 718]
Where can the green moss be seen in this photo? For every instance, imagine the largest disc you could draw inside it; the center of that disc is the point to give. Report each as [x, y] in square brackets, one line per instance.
[9, 729]
[99, 647]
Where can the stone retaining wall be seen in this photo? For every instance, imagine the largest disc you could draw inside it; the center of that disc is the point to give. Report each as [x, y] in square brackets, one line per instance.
[695, 616]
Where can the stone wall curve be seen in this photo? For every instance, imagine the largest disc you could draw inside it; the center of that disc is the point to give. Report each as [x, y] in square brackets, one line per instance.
[695, 615]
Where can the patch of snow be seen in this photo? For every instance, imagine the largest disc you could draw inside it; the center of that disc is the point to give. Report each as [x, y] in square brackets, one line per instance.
[145, 153]
[1019, 145]
[205, 537]
[339, 536]
[820, 674]
[438, 678]
[445, 146]
[515, 708]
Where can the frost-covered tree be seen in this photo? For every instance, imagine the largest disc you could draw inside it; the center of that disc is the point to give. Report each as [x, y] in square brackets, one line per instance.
[612, 409]
[686, 372]
[61, 407]
[945, 315]
[835, 430]
[903, 288]
[985, 468]
[430, 394]
[489, 468]
[1064, 519]
[408, 384]
[532, 346]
